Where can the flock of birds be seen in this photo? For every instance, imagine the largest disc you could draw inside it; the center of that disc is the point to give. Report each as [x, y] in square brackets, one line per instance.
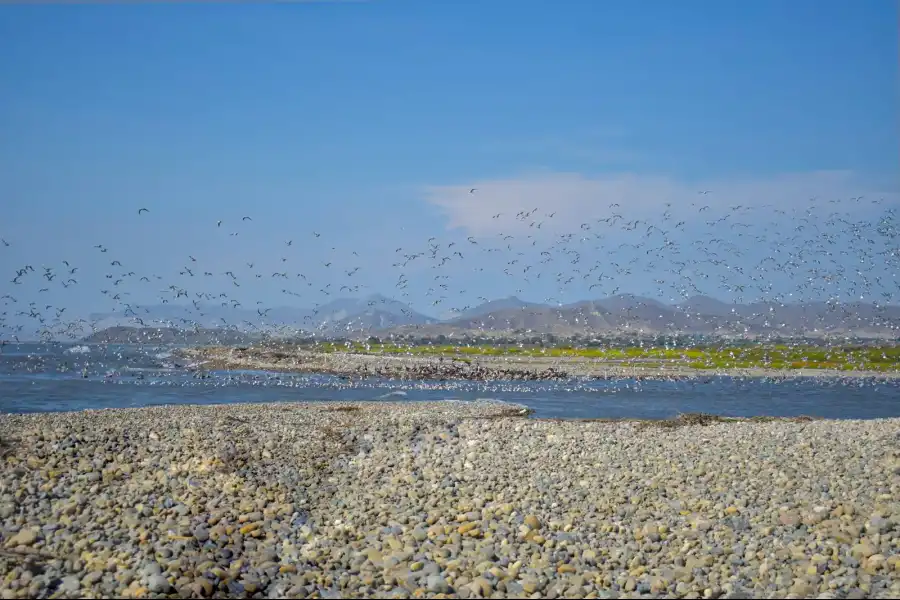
[837, 250]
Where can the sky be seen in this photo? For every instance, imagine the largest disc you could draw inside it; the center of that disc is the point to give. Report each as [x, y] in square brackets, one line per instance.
[369, 123]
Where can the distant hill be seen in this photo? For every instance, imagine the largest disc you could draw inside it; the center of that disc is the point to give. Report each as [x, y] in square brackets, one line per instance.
[622, 314]
[374, 320]
[372, 312]
[509, 303]
[627, 314]
[335, 316]
[168, 335]
[705, 305]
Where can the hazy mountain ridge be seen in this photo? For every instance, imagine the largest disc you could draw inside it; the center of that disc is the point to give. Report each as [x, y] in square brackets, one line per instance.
[624, 313]
[168, 335]
[489, 306]
[372, 311]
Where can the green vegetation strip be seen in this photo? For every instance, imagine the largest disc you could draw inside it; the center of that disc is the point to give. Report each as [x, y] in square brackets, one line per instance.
[843, 358]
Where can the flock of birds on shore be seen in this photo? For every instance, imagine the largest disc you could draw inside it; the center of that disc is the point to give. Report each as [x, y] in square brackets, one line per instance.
[822, 251]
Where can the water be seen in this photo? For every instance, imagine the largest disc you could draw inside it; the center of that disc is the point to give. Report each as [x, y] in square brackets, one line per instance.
[58, 377]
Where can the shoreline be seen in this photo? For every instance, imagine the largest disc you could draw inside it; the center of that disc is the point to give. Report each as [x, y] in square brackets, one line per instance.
[443, 499]
[479, 368]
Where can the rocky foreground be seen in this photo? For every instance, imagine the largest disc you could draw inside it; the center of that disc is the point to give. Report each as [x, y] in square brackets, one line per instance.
[442, 500]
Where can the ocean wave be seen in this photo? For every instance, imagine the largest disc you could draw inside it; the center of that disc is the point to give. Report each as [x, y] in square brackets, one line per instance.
[78, 350]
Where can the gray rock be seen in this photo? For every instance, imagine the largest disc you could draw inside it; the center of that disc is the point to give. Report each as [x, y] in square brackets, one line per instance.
[158, 584]
[151, 568]
[91, 578]
[437, 584]
[70, 584]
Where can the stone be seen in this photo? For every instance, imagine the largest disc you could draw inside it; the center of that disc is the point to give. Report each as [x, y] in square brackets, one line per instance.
[382, 504]
[25, 537]
[158, 584]
[532, 522]
[437, 584]
[70, 584]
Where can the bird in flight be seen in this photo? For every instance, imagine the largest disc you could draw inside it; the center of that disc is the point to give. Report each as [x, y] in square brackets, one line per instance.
[140, 210]
[473, 190]
[246, 219]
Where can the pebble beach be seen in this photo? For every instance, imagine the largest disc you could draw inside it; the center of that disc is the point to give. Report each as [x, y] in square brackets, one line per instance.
[446, 499]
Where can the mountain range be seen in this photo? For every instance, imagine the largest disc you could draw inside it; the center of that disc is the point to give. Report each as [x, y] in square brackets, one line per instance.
[121, 334]
[339, 315]
[621, 314]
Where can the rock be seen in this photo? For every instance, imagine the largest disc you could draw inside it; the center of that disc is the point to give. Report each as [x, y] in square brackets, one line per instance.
[878, 524]
[158, 584]
[91, 578]
[437, 584]
[25, 537]
[789, 518]
[532, 522]
[482, 587]
[382, 504]
[862, 550]
[201, 534]
[70, 584]
[201, 587]
[875, 563]
[802, 589]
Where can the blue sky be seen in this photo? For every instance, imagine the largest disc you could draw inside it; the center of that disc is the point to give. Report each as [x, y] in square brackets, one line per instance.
[369, 122]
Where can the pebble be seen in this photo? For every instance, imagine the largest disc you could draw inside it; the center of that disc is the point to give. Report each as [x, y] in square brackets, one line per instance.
[451, 499]
[158, 584]
[437, 584]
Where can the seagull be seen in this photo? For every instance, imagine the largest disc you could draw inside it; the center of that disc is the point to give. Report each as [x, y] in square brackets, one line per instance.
[140, 210]
[246, 219]
[473, 190]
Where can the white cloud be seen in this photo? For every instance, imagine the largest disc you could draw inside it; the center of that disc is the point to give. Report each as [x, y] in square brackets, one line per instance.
[576, 198]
